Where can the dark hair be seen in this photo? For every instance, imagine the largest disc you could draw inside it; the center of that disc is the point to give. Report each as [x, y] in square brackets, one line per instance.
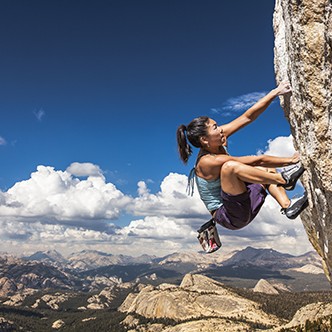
[195, 130]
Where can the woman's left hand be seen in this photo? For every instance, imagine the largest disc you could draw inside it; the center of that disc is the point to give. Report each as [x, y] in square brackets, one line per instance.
[295, 158]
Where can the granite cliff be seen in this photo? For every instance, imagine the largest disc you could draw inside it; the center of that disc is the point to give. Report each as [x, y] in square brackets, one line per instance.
[303, 55]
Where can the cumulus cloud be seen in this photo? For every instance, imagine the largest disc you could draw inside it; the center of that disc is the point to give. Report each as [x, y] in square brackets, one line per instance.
[54, 208]
[155, 227]
[22, 237]
[171, 201]
[52, 195]
[84, 169]
[280, 146]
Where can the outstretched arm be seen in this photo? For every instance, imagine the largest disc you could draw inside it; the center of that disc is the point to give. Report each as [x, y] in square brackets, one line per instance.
[253, 112]
[209, 166]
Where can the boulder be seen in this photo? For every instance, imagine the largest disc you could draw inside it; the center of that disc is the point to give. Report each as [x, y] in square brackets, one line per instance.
[303, 55]
[58, 324]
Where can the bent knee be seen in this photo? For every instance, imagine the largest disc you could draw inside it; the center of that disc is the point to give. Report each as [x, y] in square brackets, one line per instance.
[230, 166]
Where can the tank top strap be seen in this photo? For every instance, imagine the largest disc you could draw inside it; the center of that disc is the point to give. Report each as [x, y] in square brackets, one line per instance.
[192, 174]
[191, 182]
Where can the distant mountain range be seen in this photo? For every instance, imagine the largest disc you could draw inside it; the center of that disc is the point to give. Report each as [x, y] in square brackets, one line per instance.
[271, 259]
[88, 259]
[92, 259]
[88, 270]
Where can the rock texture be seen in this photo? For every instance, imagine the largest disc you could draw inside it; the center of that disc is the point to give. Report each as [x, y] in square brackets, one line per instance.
[311, 312]
[303, 55]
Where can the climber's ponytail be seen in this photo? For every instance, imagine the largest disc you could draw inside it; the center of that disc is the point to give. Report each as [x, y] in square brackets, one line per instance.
[184, 148]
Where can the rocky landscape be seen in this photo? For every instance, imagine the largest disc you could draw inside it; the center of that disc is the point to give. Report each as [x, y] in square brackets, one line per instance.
[202, 304]
[247, 290]
[90, 271]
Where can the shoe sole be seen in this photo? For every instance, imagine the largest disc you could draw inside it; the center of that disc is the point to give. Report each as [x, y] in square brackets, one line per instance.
[303, 207]
[290, 188]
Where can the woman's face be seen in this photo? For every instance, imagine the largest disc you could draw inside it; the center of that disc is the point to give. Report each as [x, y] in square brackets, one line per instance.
[215, 135]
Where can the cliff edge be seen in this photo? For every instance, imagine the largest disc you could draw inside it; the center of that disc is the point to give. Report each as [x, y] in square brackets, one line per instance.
[303, 55]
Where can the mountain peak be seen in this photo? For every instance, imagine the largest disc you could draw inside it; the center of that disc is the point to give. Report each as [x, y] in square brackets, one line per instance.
[255, 256]
[49, 255]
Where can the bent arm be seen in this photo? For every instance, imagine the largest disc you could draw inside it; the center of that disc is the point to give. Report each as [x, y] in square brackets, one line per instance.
[253, 112]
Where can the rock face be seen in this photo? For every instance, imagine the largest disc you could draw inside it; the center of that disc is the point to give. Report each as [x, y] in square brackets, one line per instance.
[303, 55]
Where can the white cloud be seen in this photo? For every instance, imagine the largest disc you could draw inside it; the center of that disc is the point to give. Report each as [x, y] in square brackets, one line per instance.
[58, 195]
[84, 169]
[171, 201]
[280, 146]
[54, 208]
[155, 227]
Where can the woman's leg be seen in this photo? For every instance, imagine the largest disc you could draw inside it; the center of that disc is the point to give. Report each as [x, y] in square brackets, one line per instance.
[277, 192]
[234, 175]
[290, 207]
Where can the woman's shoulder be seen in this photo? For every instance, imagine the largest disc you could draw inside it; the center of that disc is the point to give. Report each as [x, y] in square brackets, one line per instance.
[206, 167]
[211, 159]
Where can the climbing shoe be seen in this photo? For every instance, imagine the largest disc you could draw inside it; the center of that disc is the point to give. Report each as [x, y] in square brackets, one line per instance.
[297, 205]
[291, 175]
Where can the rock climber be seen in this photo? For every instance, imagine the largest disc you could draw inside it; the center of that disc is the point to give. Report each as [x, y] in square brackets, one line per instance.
[233, 189]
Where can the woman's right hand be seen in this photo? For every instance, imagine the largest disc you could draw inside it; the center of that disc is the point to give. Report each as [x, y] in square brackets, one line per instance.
[284, 88]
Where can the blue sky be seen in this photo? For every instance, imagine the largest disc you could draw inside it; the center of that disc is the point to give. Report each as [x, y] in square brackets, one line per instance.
[108, 82]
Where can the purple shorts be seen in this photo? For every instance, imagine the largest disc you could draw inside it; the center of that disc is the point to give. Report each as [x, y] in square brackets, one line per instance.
[239, 210]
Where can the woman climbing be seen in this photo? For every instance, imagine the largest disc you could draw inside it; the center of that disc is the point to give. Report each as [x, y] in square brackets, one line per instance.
[234, 188]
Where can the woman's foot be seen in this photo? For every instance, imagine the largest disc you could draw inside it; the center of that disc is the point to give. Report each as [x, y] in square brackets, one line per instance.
[296, 206]
[291, 175]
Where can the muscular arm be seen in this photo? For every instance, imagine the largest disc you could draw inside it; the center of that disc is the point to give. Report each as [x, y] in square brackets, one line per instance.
[268, 161]
[209, 166]
[253, 112]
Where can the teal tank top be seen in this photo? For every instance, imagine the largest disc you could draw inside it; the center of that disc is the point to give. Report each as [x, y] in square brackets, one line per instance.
[210, 193]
